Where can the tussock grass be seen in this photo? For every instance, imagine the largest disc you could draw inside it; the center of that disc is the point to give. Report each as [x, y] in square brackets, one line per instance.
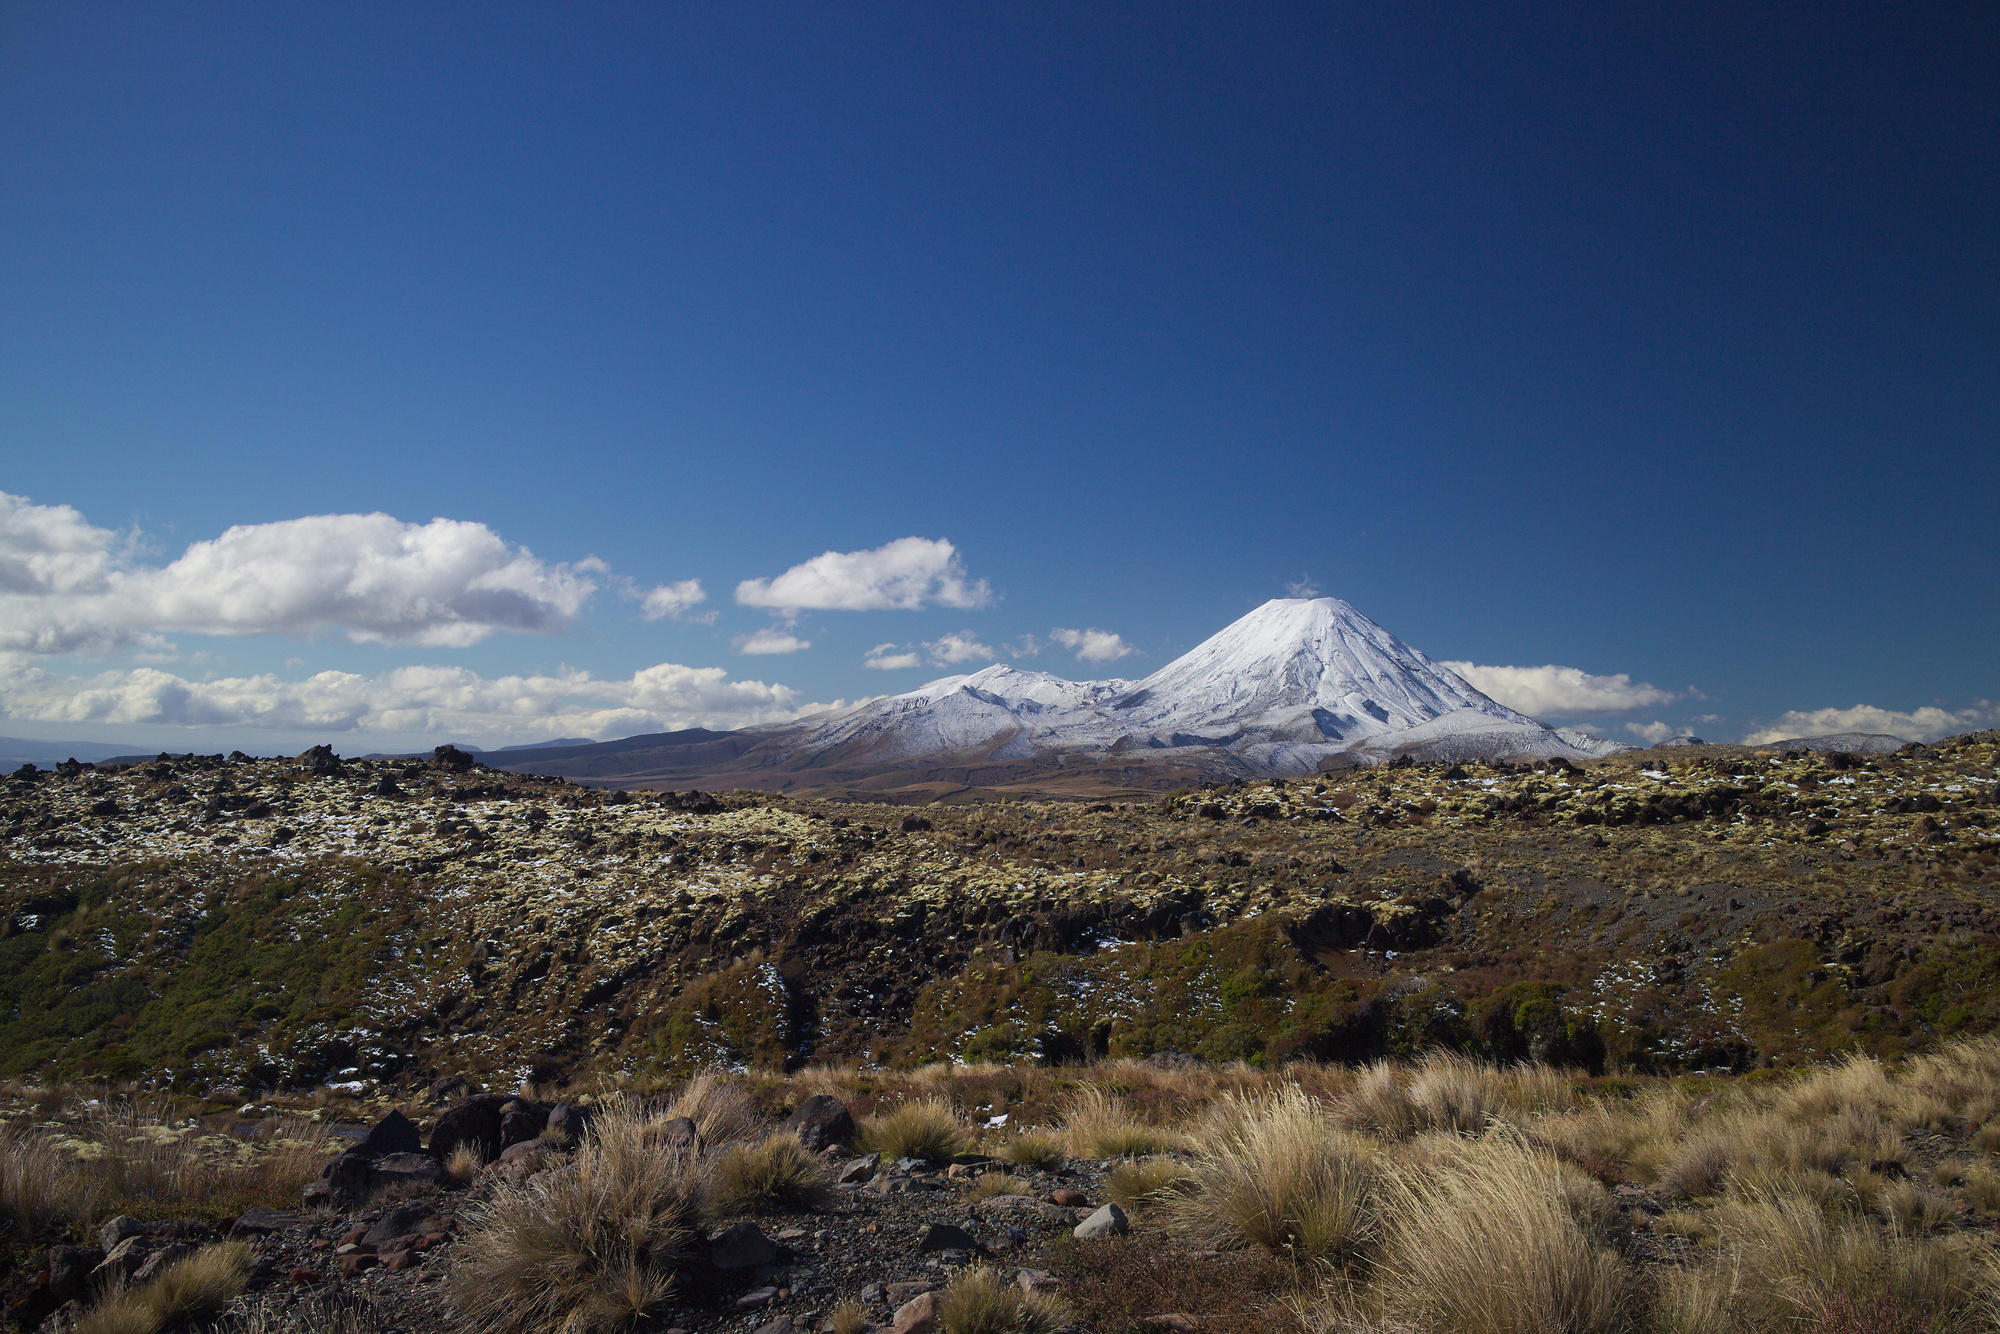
[926, 1129]
[1497, 1238]
[591, 1245]
[1786, 1262]
[40, 1184]
[721, 1108]
[1033, 1148]
[980, 1301]
[1140, 1185]
[848, 1317]
[1278, 1173]
[192, 1288]
[1096, 1125]
[776, 1175]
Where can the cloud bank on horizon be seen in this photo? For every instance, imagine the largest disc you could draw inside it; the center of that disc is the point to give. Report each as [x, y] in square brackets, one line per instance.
[70, 589]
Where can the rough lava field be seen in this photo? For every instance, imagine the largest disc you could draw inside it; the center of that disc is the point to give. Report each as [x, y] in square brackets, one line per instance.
[241, 925]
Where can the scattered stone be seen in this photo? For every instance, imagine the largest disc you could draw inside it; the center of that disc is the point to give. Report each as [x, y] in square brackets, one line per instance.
[1069, 1199]
[742, 1246]
[119, 1228]
[916, 1316]
[1035, 1280]
[304, 1277]
[756, 1299]
[259, 1221]
[150, 1267]
[860, 1169]
[358, 1262]
[822, 1122]
[946, 1237]
[1108, 1221]
[400, 1221]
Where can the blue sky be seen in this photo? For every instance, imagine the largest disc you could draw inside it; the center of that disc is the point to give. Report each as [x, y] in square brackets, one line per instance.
[1644, 341]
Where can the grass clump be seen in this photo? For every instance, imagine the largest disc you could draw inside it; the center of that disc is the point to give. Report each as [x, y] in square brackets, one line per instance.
[192, 1288]
[848, 1317]
[1278, 1174]
[926, 1129]
[721, 1108]
[591, 1245]
[776, 1175]
[1036, 1149]
[980, 1301]
[1496, 1238]
[1098, 1127]
[1150, 1181]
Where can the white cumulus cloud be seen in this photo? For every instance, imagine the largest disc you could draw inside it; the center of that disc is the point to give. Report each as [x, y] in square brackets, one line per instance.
[405, 700]
[1093, 645]
[956, 647]
[1925, 724]
[1560, 690]
[1652, 733]
[66, 586]
[891, 658]
[670, 599]
[771, 640]
[905, 575]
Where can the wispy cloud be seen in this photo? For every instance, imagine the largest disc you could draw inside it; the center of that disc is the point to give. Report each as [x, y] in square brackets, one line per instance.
[1561, 690]
[891, 658]
[905, 575]
[771, 640]
[1652, 733]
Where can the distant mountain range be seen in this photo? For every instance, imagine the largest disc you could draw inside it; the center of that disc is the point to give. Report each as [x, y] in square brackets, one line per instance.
[1297, 686]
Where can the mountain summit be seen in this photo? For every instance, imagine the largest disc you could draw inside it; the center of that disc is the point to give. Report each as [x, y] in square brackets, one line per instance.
[1297, 685]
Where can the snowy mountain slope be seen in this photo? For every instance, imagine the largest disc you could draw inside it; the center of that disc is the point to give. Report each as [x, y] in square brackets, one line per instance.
[1283, 690]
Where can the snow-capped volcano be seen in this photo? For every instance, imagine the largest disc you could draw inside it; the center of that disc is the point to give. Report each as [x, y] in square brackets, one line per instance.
[1285, 689]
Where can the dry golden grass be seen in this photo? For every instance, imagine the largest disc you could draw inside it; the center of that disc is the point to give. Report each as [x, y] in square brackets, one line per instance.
[590, 1245]
[1033, 1148]
[848, 1317]
[927, 1129]
[776, 1175]
[191, 1289]
[1276, 1172]
[1497, 1238]
[980, 1301]
[721, 1108]
[1097, 1125]
[324, 1313]
[1142, 1184]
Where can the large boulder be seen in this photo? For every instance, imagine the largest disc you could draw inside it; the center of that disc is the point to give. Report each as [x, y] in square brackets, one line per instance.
[394, 1133]
[521, 1121]
[472, 1123]
[822, 1122]
[569, 1123]
[321, 762]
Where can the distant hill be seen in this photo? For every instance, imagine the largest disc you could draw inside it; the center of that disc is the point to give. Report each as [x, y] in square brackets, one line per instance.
[16, 751]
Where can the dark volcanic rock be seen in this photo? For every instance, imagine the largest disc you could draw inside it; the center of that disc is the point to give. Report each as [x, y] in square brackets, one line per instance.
[321, 762]
[473, 1123]
[822, 1122]
[521, 1120]
[568, 1122]
[394, 1133]
[742, 1246]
